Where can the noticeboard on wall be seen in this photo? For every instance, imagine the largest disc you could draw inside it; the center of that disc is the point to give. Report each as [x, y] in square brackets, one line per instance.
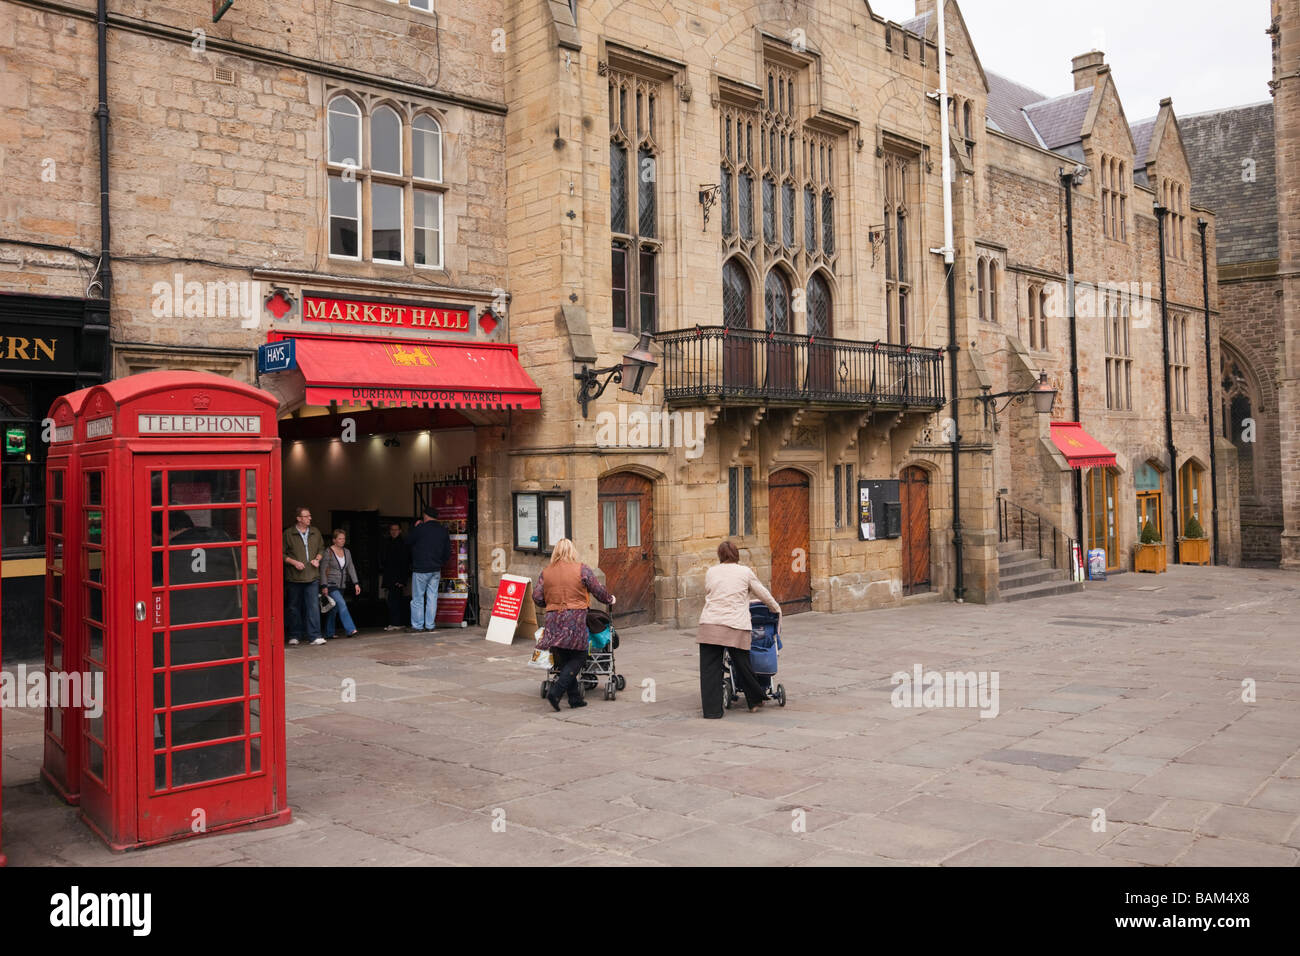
[879, 513]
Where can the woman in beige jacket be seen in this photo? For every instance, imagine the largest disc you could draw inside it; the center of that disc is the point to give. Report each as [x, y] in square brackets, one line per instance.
[724, 623]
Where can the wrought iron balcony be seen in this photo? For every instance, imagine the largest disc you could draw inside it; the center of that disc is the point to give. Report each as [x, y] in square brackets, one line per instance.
[715, 364]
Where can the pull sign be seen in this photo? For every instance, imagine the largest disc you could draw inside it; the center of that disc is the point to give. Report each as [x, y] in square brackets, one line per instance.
[139, 610]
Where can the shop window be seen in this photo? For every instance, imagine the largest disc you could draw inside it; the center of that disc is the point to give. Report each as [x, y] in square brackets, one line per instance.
[1102, 516]
[1148, 482]
[400, 220]
[22, 462]
[1191, 494]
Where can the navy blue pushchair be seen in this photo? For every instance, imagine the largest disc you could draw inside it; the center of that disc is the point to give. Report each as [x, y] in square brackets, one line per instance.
[764, 645]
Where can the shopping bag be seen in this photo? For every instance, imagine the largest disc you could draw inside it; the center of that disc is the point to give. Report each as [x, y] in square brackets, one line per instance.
[540, 659]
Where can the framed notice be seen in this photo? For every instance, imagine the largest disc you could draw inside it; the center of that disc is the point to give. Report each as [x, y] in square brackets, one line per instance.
[541, 519]
[527, 522]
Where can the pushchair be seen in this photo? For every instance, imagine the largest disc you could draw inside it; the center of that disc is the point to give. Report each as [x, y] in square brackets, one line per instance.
[764, 645]
[603, 640]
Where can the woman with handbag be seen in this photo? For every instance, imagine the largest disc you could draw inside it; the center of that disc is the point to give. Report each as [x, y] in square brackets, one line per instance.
[565, 588]
[725, 624]
[336, 569]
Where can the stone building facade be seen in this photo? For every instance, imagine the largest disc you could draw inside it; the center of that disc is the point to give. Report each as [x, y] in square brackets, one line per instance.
[1243, 161]
[260, 166]
[1021, 276]
[757, 187]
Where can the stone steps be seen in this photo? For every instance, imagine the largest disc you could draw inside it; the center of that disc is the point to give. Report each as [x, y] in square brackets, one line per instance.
[1022, 574]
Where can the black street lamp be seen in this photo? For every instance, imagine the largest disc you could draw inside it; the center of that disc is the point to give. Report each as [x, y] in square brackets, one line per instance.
[1043, 395]
[633, 375]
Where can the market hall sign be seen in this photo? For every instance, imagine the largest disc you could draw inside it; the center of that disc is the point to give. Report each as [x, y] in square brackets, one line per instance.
[393, 314]
[25, 349]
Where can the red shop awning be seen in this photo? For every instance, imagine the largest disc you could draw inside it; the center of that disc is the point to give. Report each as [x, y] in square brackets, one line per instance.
[1080, 449]
[361, 370]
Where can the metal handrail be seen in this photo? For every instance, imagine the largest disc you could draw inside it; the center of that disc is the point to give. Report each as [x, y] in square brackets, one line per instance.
[718, 363]
[1015, 524]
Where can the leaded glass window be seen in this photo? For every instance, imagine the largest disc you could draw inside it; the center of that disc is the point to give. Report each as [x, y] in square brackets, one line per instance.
[787, 216]
[735, 296]
[819, 306]
[633, 187]
[776, 302]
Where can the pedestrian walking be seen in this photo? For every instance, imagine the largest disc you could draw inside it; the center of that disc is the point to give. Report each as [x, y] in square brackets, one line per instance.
[725, 624]
[564, 588]
[335, 572]
[303, 549]
[430, 549]
[395, 566]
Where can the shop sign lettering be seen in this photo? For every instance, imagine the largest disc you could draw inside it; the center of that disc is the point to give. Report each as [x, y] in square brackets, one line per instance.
[430, 395]
[156, 424]
[403, 315]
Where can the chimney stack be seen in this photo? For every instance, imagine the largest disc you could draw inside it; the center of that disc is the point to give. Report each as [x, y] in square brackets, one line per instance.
[1088, 68]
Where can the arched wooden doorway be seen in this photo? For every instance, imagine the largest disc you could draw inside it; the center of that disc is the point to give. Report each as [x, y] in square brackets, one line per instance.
[914, 504]
[787, 515]
[627, 545]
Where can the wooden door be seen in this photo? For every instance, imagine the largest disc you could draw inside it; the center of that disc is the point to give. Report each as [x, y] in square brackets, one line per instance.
[787, 498]
[627, 545]
[914, 503]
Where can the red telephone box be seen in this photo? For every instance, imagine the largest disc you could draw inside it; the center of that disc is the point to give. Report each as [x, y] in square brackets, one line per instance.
[177, 508]
[63, 650]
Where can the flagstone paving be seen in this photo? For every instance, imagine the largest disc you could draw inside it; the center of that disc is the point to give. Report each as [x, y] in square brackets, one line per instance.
[1121, 739]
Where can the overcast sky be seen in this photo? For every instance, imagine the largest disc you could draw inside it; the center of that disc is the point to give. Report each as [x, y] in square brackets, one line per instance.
[1204, 53]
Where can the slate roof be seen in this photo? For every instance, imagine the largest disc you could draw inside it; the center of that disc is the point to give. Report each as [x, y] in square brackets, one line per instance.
[1059, 121]
[1141, 131]
[918, 25]
[1217, 144]
[1007, 99]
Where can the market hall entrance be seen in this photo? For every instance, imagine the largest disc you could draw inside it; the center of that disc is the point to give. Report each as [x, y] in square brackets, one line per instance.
[787, 500]
[627, 545]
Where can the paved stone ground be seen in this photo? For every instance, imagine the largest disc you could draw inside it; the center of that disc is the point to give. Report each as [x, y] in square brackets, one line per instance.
[1127, 698]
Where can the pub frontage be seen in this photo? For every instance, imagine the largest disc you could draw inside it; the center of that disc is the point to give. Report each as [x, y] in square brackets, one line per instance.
[49, 345]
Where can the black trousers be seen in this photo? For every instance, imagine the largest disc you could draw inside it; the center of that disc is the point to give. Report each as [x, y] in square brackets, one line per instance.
[399, 604]
[570, 663]
[711, 678]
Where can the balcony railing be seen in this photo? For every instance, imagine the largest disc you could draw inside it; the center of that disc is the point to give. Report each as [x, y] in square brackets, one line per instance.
[746, 366]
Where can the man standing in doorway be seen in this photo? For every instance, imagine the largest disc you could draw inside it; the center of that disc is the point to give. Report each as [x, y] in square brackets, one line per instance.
[303, 548]
[395, 566]
[430, 549]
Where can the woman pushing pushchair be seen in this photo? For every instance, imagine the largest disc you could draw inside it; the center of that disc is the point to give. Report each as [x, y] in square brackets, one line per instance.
[565, 588]
[726, 626]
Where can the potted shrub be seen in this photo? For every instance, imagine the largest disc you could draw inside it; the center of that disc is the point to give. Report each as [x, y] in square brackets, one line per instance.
[1150, 553]
[1194, 545]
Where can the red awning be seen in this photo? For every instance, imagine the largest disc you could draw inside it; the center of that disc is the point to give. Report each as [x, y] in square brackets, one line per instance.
[360, 370]
[1080, 449]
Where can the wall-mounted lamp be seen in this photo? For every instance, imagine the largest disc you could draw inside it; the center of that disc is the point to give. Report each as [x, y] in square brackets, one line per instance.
[633, 375]
[709, 193]
[1043, 395]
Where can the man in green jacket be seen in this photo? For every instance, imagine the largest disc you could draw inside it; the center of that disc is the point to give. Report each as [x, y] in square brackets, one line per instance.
[303, 549]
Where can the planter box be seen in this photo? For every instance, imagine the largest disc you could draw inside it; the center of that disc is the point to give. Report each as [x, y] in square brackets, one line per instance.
[1149, 557]
[1194, 550]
